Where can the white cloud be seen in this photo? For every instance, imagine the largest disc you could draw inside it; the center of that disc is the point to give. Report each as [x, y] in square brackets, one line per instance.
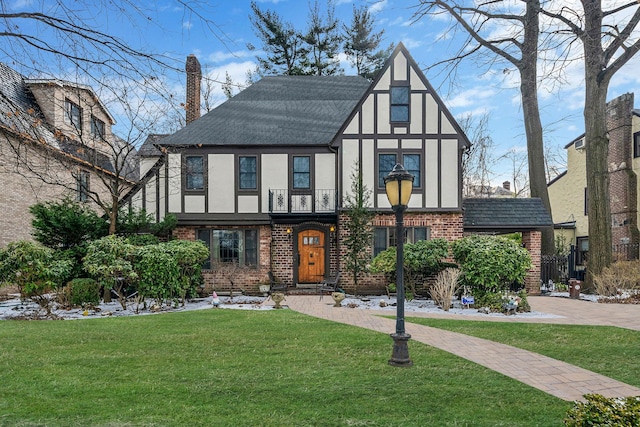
[187, 25]
[378, 6]
[216, 76]
[221, 56]
[471, 97]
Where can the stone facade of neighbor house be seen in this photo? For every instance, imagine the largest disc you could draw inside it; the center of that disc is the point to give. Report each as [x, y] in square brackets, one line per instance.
[52, 145]
[568, 193]
[262, 179]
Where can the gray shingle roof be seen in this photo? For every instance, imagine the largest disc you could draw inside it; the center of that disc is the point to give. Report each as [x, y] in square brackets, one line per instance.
[505, 214]
[278, 110]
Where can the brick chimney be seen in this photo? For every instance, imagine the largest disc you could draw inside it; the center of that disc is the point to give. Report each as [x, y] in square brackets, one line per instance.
[194, 77]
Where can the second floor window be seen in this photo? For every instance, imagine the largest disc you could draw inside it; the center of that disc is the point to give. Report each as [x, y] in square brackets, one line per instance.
[82, 186]
[301, 172]
[73, 114]
[195, 173]
[248, 176]
[400, 104]
[411, 163]
[97, 128]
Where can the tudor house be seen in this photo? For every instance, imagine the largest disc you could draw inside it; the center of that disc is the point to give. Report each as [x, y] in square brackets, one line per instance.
[568, 193]
[262, 178]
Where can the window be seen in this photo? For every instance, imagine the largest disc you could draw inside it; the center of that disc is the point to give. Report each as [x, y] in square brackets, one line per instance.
[73, 114]
[248, 173]
[97, 128]
[400, 104]
[582, 250]
[386, 162]
[82, 186]
[384, 237]
[412, 165]
[636, 145]
[301, 172]
[230, 246]
[195, 173]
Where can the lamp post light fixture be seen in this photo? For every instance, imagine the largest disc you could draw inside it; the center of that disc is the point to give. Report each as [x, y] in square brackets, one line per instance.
[398, 185]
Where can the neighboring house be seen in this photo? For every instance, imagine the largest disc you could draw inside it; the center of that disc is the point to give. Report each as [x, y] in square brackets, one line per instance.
[568, 192]
[55, 140]
[503, 190]
[262, 178]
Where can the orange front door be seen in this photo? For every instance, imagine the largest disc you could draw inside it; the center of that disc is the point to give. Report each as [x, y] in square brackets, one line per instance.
[311, 252]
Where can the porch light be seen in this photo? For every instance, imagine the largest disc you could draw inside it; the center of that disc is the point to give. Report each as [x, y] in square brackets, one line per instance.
[399, 184]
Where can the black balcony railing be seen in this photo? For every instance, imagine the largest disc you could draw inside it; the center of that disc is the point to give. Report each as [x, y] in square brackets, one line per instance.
[302, 201]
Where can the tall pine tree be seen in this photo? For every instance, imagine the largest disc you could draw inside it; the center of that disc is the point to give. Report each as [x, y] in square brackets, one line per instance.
[361, 44]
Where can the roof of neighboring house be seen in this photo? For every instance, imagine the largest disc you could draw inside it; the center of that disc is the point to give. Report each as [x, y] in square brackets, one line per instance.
[278, 110]
[505, 214]
[148, 147]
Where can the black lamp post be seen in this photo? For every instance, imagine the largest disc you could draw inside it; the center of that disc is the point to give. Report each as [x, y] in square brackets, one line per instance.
[399, 184]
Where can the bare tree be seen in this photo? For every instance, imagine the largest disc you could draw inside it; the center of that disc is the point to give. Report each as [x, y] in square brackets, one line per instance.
[517, 46]
[518, 168]
[479, 159]
[609, 40]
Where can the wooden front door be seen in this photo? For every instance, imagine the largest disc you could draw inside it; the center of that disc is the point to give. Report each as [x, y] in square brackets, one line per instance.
[311, 253]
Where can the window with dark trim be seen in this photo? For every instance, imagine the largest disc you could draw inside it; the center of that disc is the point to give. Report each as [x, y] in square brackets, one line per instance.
[82, 186]
[230, 246]
[582, 250]
[73, 114]
[194, 172]
[385, 237]
[97, 128]
[411, 163]
[248, 172]
[400, 104]
[301, 172]
[636, 145]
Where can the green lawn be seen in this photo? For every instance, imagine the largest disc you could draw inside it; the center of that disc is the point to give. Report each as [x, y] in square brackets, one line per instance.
[607, 350]
[245, 368]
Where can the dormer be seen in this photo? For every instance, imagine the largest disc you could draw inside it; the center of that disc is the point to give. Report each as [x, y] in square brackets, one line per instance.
[74, 110]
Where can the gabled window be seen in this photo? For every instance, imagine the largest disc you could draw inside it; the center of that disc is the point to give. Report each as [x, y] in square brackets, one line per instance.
[82, 186]
[230, 246]
[97, 128]
[194, 173]
[385, 237]
[248, 172]
[301, 172]
[73, 114]
[400, 104]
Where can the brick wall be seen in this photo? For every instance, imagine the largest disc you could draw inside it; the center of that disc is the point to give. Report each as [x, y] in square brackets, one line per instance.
[442, 225]
[532, 240]
[623, 192]
[22, 188]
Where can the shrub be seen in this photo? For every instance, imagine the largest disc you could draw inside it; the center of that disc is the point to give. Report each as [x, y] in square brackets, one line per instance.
[445, 287]
[620, 276]
[158, 273]
[109, 261]
[81, 292]
[601, 411]
[189, 257]
[489, 263]
[33, 268]
[421, 258]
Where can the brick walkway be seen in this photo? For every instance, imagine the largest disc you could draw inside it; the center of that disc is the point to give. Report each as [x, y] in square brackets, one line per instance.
[557, 378]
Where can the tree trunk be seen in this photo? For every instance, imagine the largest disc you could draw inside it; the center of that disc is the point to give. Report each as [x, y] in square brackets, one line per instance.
[596, 143]
[531, 113]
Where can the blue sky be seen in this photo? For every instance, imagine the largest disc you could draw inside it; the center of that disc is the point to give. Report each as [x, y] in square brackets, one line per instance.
[176, 33]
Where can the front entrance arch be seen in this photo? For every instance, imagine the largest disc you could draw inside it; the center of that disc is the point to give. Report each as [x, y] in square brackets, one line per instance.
[311, 255]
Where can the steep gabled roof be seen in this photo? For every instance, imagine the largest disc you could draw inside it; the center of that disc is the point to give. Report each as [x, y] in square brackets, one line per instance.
[505, 214]
[278, 110]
